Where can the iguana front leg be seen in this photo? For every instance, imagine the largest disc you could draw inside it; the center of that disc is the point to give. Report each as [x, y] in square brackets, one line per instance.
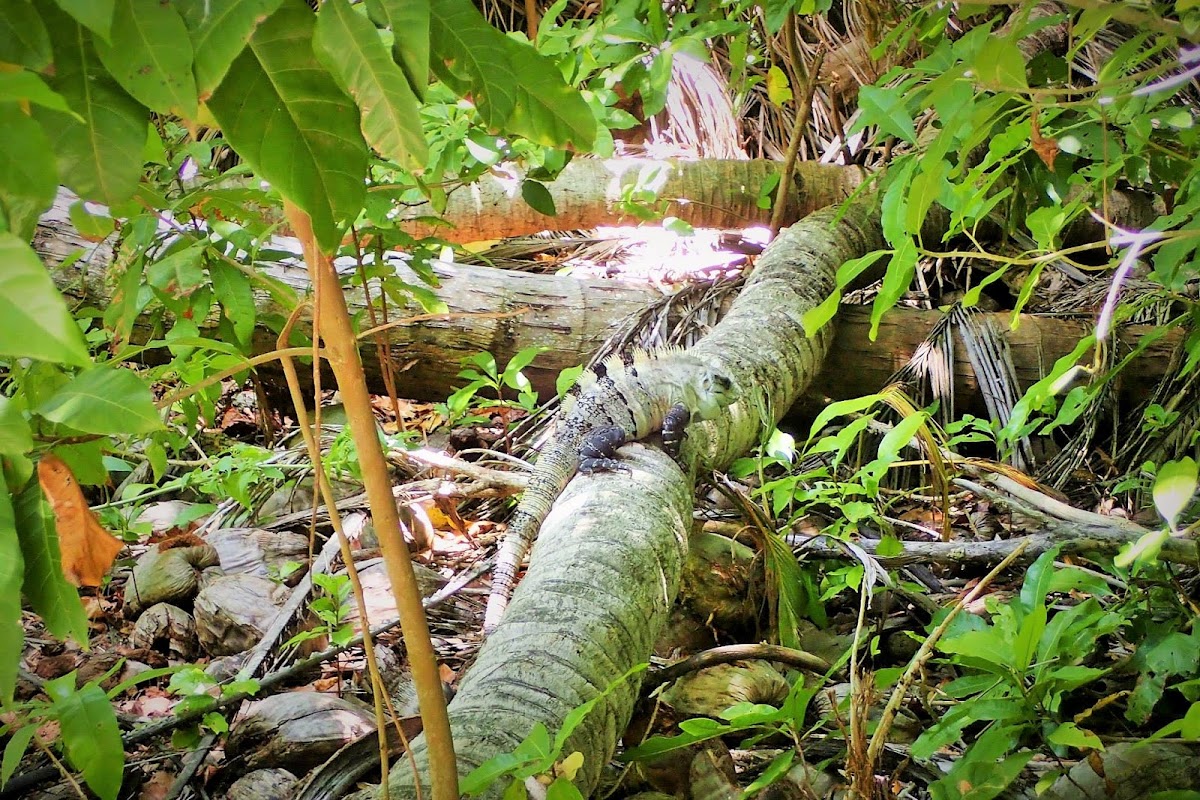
[598, 450]
[673, 428]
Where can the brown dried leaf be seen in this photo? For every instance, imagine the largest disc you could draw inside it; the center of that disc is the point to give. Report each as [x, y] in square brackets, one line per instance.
[88, 550]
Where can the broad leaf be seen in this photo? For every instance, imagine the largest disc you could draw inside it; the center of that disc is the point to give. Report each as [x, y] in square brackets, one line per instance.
[25, 85]
[284, 115]
[471, 57]
[92, 738]
[885, 108]
[50, 596]
[219, 32]
[100, 151]
[34, 320]
[28, 174]
[104, 400]
[232, 288]
[150, 55]
[409, 21]
[16, 437]
[15, 750]
[12, 573]
[95, 15]
[23, 37]
[538, 197]
[1000, 65]
[548, 111]
[349, 45]
[1174, 488]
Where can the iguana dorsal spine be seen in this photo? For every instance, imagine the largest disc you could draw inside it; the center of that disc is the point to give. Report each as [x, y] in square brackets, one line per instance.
[623, 399]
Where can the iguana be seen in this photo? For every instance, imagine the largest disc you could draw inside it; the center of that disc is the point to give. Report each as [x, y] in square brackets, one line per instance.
[623, 398]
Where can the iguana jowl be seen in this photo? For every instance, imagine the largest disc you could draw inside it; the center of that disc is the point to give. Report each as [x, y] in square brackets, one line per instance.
[622, 400]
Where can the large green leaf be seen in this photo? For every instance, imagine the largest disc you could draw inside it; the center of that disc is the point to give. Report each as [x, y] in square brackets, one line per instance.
[104, 400]
[23, 37]
[90, 733]
[16, 437]
[220, 30]
[34, 321]
[548, 111]
[471, 57]
[12, 572]
[283, 113]
[95, 15]
[100, 157]
[150, 55]
[28, 175]
[25, 85]
[50, 595]
[409, 21]
[514, 88]
[349, 45]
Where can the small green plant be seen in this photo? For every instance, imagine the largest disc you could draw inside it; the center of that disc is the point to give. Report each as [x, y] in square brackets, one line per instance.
[199, 691]
[87, 725]
[538, 758]
[332, 608]
[750, 722]
[1018, 668]
[483, 373]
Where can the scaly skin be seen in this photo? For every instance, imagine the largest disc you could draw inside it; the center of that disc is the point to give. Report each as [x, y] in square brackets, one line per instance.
[634, 397]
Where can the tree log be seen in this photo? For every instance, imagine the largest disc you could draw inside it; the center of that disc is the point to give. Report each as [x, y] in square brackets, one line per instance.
[503, 311]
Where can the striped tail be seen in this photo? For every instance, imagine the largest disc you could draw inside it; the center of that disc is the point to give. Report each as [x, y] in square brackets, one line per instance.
[553, 470]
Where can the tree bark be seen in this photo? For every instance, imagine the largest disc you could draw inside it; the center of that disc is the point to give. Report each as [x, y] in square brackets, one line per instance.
[503, 312]
[592, 192]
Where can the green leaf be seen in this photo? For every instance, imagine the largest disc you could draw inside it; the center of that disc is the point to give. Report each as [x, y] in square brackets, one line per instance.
[840, 408]
[548, 111]
[1174, 488]
[219, 33]
[179, 274]
[284, 115]
[95, 15]
[923, 191]
[409, 21]
[16, 437]
[150, 55]
[34, 321]
[12, 573]
[885, 108]
[1000, 65]
[538, 197]
[232, 289]
[14, 750]
[471, 57]
[104, 400]
[99, 147]
[348, 44]
[1069, 734]
[778, 90]
[23, 37]
[94, 227]
[92, 738]
[895, 282]
[28, 174]
[49, 593]
[25, 85]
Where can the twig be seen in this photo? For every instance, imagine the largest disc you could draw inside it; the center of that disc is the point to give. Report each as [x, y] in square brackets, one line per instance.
[737, 652]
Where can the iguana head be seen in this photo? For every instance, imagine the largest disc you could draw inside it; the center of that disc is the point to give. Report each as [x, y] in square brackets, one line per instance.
[712, 390]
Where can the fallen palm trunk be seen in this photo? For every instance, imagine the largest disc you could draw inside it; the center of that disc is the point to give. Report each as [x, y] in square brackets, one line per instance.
[605, 568]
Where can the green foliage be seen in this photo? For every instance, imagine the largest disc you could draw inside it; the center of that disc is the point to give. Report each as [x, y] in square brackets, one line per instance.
[1021, 667]
[332, 608]
[87, 726]
[483, 373]
[1002, 142]
[537, 754]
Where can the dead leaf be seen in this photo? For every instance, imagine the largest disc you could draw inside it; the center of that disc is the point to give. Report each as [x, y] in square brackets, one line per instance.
[88, 550]
[158, 787]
